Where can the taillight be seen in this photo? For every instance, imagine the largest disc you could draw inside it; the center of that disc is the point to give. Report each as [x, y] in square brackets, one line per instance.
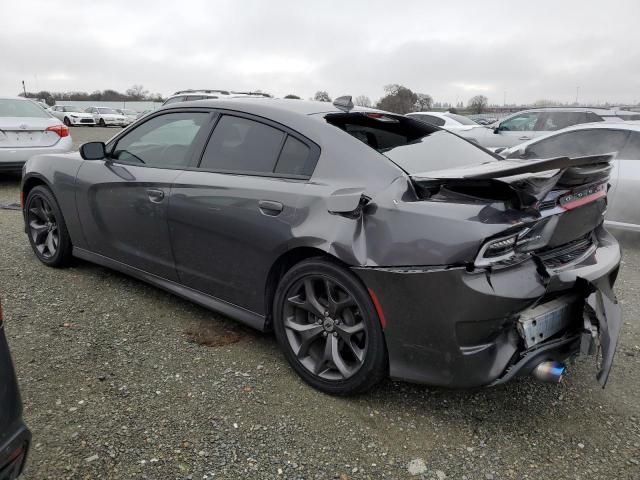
[61, 130]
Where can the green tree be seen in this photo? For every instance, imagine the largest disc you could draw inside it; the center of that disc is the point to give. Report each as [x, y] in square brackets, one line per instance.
[398, 99]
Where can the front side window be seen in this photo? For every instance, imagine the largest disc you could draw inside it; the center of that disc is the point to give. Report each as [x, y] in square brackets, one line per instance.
[578, 144]
[243, 146]
[525, 122]
[163, 141]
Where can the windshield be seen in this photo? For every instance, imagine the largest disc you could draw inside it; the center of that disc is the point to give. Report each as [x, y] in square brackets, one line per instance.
[106, 110]
[412, 145]
[460, 119]
[21, 108]
[128, 112]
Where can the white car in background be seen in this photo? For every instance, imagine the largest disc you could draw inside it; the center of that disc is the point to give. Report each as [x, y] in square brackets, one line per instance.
[72, 115]
[108, 117]
[131, 115]
[203, 94]
[27, 130]
[446, 120]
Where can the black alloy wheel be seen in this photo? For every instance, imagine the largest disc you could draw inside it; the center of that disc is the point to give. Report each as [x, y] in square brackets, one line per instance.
[46, 228]
[67, 122]
[327, 326]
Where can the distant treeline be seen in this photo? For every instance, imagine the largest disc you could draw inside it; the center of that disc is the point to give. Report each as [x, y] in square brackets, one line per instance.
[136, 93]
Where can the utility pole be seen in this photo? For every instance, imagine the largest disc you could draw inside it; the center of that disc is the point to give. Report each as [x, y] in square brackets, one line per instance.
[577, 91]
[24, 89]
[504, 100]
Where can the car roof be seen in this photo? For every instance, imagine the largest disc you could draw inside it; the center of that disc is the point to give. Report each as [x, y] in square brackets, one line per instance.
[270, 106]
[599, 110]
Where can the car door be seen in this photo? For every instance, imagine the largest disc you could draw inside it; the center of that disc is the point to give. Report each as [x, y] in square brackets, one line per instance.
[515, 129]
[122, 200]
[232, 217]
[624, 207]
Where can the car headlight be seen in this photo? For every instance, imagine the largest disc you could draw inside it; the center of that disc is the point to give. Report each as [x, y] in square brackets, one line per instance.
[73, 116]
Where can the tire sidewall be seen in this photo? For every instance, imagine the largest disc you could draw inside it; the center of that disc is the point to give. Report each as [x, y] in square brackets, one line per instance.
[62, 255]
[374, 367]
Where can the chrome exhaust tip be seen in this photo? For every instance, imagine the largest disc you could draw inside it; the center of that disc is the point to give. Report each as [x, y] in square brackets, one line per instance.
[549, 371]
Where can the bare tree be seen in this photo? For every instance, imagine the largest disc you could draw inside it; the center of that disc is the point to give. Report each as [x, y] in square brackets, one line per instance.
[137, 91]
[322, 96]
[478, 104]
[362, 101]
[424, 102]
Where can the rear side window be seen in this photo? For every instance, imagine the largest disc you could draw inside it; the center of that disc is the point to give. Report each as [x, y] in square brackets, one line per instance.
[631, 150]
[243, 146]
[558, 120]
[295, 158]
[578, 144]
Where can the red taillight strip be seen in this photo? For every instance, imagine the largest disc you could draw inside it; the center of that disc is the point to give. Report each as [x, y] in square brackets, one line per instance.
[584, 200]
[61, 130]
[376, 304]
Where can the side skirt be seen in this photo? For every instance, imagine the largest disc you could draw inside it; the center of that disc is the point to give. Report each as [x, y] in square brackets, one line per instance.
[240, 314]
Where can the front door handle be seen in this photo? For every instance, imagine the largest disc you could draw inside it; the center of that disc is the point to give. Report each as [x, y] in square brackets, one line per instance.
[269, 207]
[524, 137]
[155, 195]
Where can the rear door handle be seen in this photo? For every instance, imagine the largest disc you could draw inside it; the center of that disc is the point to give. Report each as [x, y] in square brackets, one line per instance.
[524, 138]
[269, 207]
[155, 195]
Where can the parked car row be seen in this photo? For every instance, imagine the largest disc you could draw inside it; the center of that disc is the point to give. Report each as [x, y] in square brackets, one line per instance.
[90, 116]
[372, 244]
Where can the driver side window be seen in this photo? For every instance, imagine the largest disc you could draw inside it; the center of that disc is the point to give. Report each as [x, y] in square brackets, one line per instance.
[163, 142]
[525, 122]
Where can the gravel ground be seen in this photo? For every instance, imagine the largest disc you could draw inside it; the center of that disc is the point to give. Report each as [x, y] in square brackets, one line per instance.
[121, 380]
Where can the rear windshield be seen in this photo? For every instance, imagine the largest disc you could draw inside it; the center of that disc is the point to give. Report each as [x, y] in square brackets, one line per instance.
[412, 145]
[460, 119]
[21, 108]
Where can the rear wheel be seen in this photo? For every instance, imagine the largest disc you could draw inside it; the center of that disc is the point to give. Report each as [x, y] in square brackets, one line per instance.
[47, 230]
[328, 328]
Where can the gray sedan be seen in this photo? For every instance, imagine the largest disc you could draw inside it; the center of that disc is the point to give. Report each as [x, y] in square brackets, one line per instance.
[372, 244]
[595, 139]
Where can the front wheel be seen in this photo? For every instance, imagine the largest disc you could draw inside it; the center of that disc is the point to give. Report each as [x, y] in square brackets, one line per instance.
[328, 328]
[101, 123]
[46, 228]
[67, 122]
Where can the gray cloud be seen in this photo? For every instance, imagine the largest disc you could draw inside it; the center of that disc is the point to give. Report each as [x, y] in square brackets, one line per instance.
[544, 49]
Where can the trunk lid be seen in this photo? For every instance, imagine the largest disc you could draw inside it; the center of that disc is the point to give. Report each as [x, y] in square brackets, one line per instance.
[560, 200]
[21, 132]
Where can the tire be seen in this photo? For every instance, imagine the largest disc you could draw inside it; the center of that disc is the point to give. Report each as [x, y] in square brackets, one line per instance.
[101, 123]
[47, 230]
[67, 122]
[336, 346]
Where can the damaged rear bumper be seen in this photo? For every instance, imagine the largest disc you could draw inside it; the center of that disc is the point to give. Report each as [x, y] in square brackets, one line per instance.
[451, 327]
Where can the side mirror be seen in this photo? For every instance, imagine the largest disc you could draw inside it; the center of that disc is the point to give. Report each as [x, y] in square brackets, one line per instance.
[93, 151]
[496, 129]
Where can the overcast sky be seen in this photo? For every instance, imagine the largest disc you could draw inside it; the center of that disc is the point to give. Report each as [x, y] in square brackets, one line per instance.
[451, 50]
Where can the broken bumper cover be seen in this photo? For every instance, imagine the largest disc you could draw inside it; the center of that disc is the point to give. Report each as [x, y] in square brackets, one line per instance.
[451, 327]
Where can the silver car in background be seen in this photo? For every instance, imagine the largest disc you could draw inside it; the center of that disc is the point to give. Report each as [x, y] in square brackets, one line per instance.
[623, 211]
[529, 124]
[72, 115]
[27, 130]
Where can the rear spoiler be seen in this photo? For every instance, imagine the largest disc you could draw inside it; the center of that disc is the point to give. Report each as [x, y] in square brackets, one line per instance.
[513, 167]
[525, 181]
